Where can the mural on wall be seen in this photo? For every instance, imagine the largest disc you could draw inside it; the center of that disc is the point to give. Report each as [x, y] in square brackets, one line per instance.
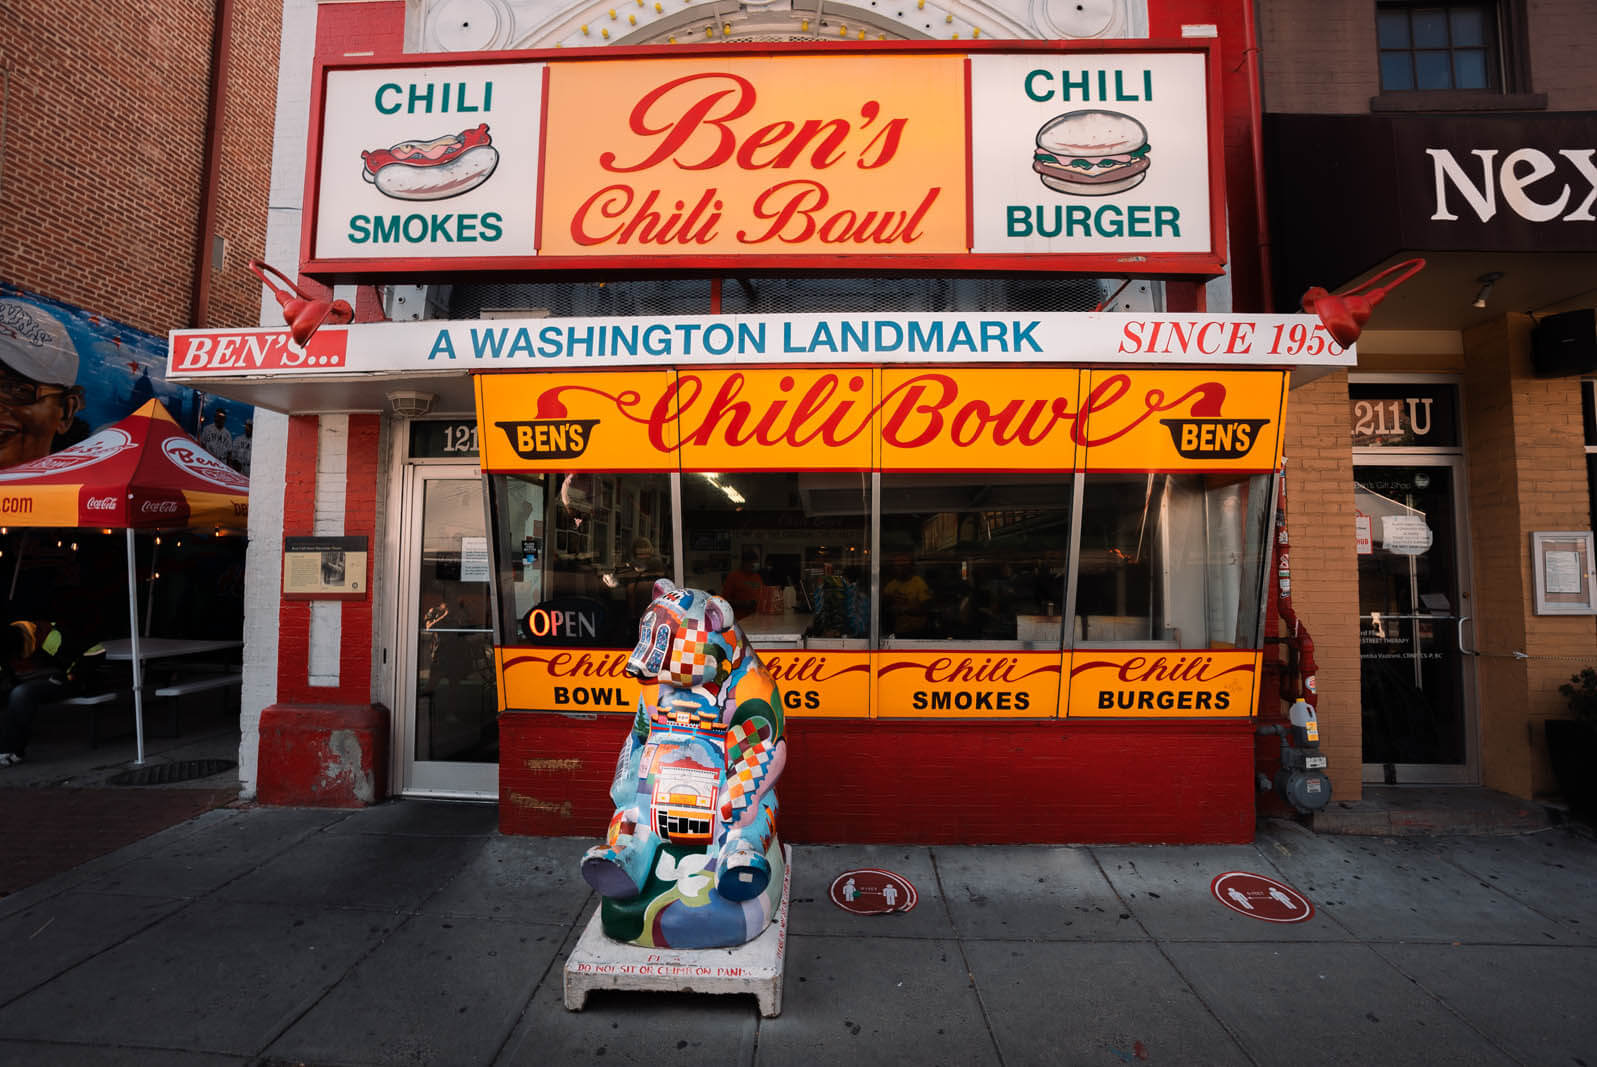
[66, 373]
[692, 858]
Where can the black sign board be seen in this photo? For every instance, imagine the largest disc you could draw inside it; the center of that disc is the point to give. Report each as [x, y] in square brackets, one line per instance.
[1403, 414]
[443, 439]
[1350, 191]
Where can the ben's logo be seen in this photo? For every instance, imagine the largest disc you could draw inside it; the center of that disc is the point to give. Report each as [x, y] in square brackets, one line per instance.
[1214, 438]
[549, 438]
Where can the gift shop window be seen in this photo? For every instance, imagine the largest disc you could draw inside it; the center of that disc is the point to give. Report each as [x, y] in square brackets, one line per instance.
[1172, 560]
[974, 559]
[579, 555]
[789, 551]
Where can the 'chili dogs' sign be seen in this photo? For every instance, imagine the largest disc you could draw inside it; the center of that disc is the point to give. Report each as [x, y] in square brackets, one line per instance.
[924, 155]
[1084, 683]
[862, 418]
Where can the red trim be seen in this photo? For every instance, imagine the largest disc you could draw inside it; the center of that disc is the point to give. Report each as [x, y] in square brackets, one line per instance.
[299, 520]
[543, 162]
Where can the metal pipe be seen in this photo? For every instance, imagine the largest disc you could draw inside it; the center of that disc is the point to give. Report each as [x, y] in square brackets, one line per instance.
[221, 71]
[1261, 215]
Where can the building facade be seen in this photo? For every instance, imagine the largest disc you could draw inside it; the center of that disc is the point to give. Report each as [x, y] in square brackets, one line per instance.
[1462, 134]
[398, 467]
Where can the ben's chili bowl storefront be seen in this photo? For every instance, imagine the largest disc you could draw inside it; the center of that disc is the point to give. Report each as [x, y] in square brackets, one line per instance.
[1008, 566]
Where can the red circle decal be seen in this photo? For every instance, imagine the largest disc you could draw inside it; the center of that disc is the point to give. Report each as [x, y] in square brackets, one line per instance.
[873, 891]
[1259, 897]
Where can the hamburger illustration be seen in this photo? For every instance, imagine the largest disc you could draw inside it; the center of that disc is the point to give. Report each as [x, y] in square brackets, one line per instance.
[1091, 153]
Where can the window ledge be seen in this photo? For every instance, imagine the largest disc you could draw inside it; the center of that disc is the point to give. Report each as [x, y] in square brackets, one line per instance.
[1458, 100]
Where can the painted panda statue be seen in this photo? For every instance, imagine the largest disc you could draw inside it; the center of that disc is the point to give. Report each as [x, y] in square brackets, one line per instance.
[692, 859]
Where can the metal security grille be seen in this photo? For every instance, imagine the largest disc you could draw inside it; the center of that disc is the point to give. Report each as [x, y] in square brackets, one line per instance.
[778, 295]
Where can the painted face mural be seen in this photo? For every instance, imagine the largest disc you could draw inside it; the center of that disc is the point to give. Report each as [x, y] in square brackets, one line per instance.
[692, 859]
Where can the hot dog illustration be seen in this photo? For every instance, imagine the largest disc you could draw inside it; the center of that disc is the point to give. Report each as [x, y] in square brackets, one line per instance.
[433, 170]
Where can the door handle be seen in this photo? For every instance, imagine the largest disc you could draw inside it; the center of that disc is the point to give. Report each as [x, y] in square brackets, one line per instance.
[1462, 619]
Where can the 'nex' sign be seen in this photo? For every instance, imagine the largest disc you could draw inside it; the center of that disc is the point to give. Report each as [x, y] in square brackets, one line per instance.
[1523, 178]
[251, 350]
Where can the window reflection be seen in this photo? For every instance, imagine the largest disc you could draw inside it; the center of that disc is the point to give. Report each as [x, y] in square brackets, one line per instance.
[1172, 559]
[789, 551]
[974, 558]
[579, 555]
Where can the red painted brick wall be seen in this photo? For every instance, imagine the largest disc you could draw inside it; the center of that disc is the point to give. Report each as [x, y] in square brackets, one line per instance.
[105, 105]
[926, 782]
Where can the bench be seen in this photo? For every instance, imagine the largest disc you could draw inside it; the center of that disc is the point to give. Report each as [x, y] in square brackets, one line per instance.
[94, 702]
[199, 683]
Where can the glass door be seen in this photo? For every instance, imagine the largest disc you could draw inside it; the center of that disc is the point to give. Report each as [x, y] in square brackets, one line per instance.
[1417, 682]
[449, 728]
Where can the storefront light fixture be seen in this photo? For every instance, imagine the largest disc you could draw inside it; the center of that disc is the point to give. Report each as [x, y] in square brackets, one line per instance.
[410, 403]
[1486, 281]
[303, 314]
[1345, 313]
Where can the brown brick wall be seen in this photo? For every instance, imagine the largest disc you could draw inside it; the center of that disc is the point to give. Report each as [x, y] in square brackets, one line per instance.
[1324, 565]
[1321, 58]
[104, 117]
[1318, 58]
[1527, 473]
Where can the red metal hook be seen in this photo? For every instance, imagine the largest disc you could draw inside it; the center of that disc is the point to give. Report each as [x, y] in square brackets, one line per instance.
[303, 315]
[1345, 313]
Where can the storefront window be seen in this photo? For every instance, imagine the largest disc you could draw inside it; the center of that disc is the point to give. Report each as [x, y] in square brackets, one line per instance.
[974, 558]
[789, 551]
[579, 555]
[1172, 560]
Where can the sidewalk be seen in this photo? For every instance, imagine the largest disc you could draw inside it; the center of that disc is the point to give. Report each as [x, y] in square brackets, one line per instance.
[413, 932]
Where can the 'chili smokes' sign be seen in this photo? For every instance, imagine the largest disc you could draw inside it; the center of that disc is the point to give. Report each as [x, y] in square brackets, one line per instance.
[926, 156]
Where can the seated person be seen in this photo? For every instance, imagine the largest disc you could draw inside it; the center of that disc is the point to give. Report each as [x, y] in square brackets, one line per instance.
[39, 664]
[744, 586]
[906, 600]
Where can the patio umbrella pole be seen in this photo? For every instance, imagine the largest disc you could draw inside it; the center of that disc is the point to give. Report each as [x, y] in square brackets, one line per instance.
[133, 636]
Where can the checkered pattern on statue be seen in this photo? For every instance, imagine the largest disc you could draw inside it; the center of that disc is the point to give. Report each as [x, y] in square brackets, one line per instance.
[690, 656]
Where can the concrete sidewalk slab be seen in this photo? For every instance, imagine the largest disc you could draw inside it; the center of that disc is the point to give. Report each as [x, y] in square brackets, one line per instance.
[1100, 1003]
[1535, 1002]
[57, 934]
[342, 871]
[221, 847]
[214, 976]
[1553, 873]
[816, 867]
[1167, 889]
[1032, 893]
[872, 999]
[1401, 890]
[529, 879]
[438, 991]
[1334, 1004]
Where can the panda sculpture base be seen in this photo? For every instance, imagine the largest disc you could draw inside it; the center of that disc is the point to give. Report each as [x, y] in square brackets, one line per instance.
[598, 962]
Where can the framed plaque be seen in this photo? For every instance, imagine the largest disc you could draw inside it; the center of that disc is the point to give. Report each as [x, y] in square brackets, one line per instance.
[1562, 563]
[324, 568]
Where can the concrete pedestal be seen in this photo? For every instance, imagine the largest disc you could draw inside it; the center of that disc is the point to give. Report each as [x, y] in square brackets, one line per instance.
[756, 967]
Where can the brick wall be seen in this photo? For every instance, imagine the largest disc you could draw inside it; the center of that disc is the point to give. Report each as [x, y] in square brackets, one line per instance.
[1324, 566]
[1321, 58]
[1318, 58]
[1563, 34]
[105, 106]
[1527, 473]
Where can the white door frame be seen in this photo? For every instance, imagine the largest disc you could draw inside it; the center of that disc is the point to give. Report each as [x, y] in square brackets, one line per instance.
[475, 781]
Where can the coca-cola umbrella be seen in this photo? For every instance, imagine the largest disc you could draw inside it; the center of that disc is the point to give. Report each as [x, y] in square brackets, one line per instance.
[142, 473]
